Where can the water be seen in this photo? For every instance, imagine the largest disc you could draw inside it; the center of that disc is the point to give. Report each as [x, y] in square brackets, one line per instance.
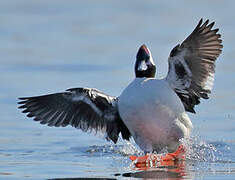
[49, 46]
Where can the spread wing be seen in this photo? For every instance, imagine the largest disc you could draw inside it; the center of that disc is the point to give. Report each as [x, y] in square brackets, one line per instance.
[82, 108]
[192, 65]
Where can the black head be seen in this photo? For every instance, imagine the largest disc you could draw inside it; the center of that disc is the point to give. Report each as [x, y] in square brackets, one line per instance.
[144, 65]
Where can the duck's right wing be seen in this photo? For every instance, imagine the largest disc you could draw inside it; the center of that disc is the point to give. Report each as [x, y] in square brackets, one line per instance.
[82, 108]
[192, 65]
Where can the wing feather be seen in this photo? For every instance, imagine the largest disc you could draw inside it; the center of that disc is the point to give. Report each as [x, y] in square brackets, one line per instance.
[82, 108]
[192, 64]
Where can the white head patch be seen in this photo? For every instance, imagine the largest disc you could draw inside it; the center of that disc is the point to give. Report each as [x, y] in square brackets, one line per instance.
[142, 66]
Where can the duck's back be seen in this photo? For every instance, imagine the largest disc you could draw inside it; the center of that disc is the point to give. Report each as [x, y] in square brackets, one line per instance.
[151, 110]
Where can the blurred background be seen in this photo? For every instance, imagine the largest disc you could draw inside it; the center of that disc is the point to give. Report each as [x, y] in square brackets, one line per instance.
[48, 46]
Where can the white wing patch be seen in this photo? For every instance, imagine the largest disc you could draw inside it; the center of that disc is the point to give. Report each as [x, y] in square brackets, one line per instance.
[176, 80]
[86, 100]
[209, 82]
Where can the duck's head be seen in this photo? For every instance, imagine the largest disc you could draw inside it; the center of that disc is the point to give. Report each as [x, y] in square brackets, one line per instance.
[144, 65]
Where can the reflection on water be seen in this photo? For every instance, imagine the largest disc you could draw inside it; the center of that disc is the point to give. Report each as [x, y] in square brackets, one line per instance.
[83, 178]
[156, 174]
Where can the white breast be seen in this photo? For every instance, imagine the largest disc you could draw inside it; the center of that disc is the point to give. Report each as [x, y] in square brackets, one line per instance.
[154, 114]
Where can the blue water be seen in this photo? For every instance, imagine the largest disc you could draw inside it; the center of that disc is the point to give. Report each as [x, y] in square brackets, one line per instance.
[49, 46]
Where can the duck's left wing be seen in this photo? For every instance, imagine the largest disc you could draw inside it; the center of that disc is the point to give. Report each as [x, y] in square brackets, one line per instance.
[83, 108]
[192, 65]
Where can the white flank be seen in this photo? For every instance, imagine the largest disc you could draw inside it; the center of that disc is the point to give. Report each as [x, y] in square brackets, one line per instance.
[150, 109]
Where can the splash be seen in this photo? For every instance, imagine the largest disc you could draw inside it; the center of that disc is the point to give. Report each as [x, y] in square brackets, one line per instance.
[124, 148]
[200, 150]
[197, 150]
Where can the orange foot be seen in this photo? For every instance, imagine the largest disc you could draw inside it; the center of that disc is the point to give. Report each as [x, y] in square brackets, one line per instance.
[153, 160]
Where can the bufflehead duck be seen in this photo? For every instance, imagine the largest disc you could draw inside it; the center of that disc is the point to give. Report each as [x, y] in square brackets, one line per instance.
[152, 111]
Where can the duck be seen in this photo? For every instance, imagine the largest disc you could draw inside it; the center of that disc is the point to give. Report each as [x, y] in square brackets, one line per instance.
[153, 111]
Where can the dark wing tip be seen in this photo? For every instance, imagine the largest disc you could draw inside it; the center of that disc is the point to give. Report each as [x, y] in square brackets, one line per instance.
[30, 115]
[23, 98]
[206, 22]
[207, 26]
[23, 106]
[21, 102]
[201, 26]
[200, 22]
[211, 25]
[204, 35]
[216, 30]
